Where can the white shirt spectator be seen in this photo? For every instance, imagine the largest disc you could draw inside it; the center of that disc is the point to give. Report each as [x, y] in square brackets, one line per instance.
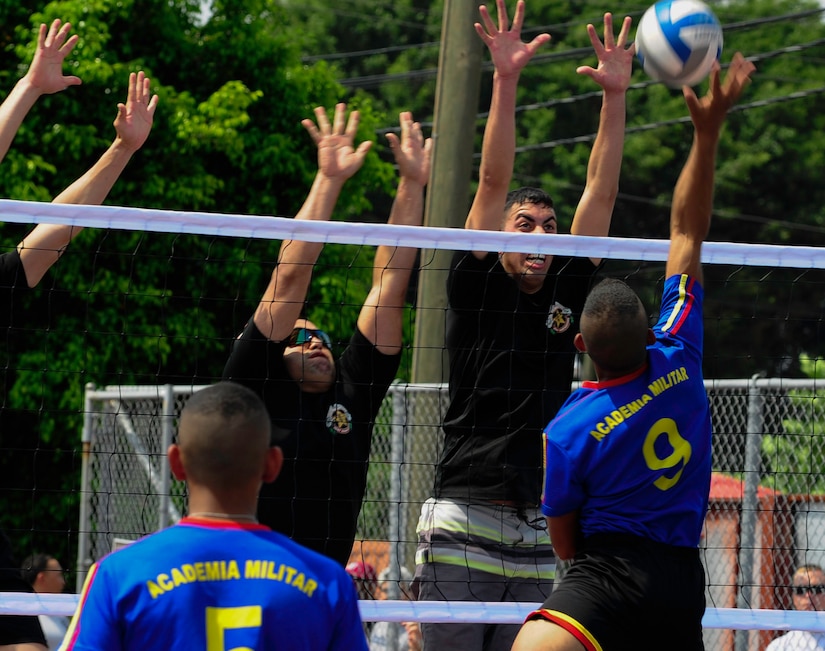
[797, 641]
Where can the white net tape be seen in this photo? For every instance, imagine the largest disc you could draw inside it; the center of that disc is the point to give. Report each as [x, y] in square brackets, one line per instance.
[459, 239]
[14, 603]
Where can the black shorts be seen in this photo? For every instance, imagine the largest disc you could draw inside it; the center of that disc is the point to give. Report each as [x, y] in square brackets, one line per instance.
[628, 593]
[19, 629]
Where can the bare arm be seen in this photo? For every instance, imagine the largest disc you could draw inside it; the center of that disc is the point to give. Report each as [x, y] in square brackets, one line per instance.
[563, 532]
[498, 151]
[286, 292]
[44, 77]
[42, 247]
[693, 195]
[595, 209]
[380, 317]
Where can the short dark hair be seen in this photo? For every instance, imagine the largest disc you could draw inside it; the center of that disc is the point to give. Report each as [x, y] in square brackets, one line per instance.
[534, 196]
[225, 400]
[224, 432]
[34, 565]
[614, 326]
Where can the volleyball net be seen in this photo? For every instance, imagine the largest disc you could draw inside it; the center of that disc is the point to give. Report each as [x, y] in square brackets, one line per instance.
[767, 510]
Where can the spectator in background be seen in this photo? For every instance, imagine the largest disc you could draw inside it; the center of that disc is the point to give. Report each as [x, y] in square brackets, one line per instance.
[395, 636]
[365, 579]
[366, 585]
[44, 574]
[808, 585]
[25, 266]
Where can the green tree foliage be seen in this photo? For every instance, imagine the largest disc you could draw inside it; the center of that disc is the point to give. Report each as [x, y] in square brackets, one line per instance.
[148, 308]
[770, 157]
[793, 459]
[235, 82]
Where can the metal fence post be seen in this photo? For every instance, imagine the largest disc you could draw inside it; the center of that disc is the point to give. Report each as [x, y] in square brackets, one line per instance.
[750, 502]
[84, 561]
[167, 432]
[396, 519]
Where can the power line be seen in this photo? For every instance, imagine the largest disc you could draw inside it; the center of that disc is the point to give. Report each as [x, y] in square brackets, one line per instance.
[550, 144]
[369, 81]
[527, 31]
[364, 53]
[572, 99]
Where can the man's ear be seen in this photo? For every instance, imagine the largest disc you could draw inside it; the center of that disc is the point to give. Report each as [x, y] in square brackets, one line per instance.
[651, 337]
[274, 462]
[578, 342]
[175, 462]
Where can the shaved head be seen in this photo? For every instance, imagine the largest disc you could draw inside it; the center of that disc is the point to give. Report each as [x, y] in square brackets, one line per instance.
[224, 435]
[614, 327]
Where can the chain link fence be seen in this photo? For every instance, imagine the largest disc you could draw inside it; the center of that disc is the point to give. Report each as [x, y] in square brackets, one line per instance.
[766, 515]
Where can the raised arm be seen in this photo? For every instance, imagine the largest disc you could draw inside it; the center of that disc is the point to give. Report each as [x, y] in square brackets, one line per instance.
[595, 209]
[693, 195]
[498, 151]
[42, 247]
[338, 160]
[44, 77]
[380, 319]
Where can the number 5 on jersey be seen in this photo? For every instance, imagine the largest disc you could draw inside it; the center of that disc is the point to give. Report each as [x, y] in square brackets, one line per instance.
[218, 620]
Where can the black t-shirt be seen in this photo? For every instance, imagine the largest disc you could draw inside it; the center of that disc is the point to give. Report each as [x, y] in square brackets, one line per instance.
[325, 438]
[12, 274]
[511, 365]
[12, 279]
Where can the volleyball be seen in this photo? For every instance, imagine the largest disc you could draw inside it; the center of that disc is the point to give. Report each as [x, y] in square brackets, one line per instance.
[677, 42]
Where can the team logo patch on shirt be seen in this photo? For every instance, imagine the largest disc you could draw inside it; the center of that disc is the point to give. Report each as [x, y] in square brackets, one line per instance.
[339, 420]
[559, 318]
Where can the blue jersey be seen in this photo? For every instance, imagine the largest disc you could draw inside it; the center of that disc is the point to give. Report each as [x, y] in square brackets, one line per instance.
[633, 454]
[205, 585]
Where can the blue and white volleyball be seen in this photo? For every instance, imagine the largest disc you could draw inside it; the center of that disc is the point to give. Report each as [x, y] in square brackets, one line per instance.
[677, 42]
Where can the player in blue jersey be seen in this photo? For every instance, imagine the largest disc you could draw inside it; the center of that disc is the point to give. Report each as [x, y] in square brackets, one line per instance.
[218, 579]
[628, 458]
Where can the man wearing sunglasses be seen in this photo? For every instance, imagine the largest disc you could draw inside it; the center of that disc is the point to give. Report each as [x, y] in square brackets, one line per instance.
[323, 408]
[808, 591]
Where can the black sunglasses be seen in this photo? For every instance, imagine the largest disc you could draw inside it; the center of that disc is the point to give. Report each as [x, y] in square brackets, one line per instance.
[802, 589]
[301, 336]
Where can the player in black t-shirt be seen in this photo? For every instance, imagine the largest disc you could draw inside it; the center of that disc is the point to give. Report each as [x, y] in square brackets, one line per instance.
[323, 409]
[510, 325]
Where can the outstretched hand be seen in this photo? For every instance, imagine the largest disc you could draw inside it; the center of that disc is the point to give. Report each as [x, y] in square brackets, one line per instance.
[134, 118]
[615, 57]
[337, 158]
[708, 113]
[412, 152]
[46, 70]
[509, 53]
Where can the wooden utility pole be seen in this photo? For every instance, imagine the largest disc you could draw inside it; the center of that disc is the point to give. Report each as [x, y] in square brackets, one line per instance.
[448, 200]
